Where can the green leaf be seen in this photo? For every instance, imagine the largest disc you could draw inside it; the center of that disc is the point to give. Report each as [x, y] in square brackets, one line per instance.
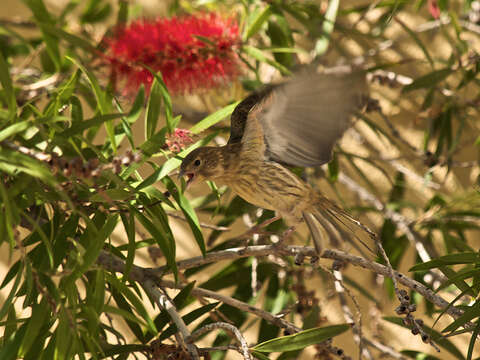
[418, 355]
[436, 337]
[280, 35]
[76, 111]
[126, 311]
[180, 301]
[166, 101]
[80, 126]
[133, 299]
[129, 226]
[302, 339]
[260, 356]
[417, 40]
[321, 45]
[429, 80]
[137, 106]
[288, 50]
[8, 301]
[153, 109]
[163, 91]
[190, 317]
[188, 211]
[14, 269]
[333, 169]
[173, 163]
[101, 97]
[8, 213]
[26, 164]
[451, 259]
[470, 313]
[205, 39]
[122, 16]
[166, 245]
[462, 275]
[95, 12]
[154, 143]
[7, 85]
[44, 19]
[260, 16]
[10, 326]
[462, 285]
[473, 339]
[37, 320]
[11, 346]
[66, 90]
[214, 118]
[39, 11]
[65, 338]
[95, 245]
[260, 56]
[74, 40]
[111, 194]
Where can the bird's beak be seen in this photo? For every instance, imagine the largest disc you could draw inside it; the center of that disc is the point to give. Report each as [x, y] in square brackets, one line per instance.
[181, 174]
[190, 177]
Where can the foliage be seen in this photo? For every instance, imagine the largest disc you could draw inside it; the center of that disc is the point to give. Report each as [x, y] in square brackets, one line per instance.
[77, 174]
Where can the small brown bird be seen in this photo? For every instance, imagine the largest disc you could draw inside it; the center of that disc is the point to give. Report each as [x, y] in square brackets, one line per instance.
[293, 123]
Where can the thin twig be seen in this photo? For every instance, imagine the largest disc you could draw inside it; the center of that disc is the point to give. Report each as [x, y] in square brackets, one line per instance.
[48, 83]
[231, 329]
[202, 224]
[164, 302]
[16, 21]
[235, 303]
[401, 221]
[432, 25]
[387, 350]
[341, 290]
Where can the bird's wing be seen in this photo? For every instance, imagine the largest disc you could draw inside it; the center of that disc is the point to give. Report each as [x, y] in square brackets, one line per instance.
[300, 120]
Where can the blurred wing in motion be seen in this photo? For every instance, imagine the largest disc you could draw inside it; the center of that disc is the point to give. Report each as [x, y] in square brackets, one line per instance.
[299, 121]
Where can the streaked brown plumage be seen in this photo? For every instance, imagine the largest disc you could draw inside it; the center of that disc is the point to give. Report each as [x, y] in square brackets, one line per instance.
[294, 123]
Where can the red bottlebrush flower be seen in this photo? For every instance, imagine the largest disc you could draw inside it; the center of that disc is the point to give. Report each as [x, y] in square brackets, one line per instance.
[433, 8]
[177, 141]
[192, 52]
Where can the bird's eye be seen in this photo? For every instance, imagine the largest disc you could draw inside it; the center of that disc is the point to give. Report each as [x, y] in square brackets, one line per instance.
[197, 162]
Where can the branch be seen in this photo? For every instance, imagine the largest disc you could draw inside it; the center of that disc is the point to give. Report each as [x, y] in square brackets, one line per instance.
[235, 303]
[150, 276]
[387, 350]
[264, 250]
[231, 329]
[164, 302]
[137, 273]
[341, 290]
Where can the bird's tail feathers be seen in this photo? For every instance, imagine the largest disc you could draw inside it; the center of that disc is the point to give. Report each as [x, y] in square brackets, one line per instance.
[339, 226]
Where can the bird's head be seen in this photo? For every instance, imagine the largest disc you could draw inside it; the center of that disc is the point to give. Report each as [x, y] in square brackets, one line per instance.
[204, 163]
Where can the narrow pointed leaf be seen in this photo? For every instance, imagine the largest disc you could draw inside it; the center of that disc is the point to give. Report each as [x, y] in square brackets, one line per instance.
[301, 339]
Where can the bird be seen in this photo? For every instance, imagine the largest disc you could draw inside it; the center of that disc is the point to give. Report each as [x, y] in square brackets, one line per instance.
[294, 123]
